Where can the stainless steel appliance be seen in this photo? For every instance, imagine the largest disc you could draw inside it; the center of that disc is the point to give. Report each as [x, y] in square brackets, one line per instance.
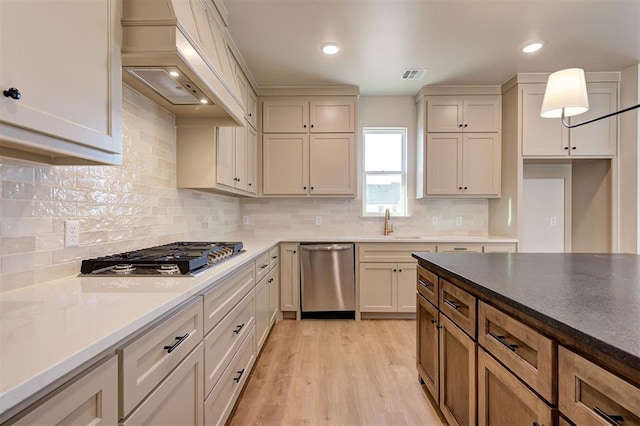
[174, 259]
[327, 280]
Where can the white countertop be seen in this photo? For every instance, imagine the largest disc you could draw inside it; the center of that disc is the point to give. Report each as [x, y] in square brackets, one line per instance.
[50, 329]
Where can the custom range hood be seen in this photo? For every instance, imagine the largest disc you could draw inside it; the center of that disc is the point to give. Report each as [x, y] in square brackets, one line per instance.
[175, 53]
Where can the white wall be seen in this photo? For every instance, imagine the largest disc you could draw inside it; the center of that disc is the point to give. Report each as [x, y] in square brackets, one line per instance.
[629, 158]
[344, 216]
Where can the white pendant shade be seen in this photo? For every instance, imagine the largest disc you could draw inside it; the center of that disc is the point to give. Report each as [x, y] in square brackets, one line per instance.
[566, 91]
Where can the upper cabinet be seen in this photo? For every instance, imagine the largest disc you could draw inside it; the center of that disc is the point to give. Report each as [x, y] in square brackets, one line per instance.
[322, 115]
[308, 146]
[249, 98]
[61, 81]
[214, 158]
[459, 142]
[448, 114]
[544, 137]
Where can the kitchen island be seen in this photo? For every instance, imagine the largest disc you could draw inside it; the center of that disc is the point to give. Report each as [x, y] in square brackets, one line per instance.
[546, 318]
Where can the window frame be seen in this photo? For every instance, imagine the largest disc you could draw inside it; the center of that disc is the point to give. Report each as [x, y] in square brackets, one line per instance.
[403, 173]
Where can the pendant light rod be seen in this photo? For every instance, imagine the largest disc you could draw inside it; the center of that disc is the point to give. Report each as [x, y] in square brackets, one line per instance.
[571, 126]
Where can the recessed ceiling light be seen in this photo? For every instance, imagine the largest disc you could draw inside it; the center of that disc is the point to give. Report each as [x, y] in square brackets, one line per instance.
[174, 73]
[534, 46]
[330, 48]
[204, 101]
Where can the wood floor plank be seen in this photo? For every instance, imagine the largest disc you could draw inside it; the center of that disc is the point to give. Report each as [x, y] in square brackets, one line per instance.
[336, 372]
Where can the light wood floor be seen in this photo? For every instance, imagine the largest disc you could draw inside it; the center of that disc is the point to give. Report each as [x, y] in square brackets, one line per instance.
[336, 373]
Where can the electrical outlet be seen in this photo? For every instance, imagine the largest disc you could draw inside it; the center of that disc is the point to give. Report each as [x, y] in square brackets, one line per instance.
[71, 233]
[458, 220]
[434, 220]
[245, 220]
[553, 221]
[318, 220]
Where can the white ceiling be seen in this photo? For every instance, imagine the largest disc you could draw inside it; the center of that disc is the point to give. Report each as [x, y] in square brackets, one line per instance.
[457, 41]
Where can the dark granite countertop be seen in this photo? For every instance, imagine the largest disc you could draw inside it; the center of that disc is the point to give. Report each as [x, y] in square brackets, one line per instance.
[595, 298]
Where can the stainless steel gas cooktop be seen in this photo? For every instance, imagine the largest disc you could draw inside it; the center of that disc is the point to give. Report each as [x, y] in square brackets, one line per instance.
[175, 259]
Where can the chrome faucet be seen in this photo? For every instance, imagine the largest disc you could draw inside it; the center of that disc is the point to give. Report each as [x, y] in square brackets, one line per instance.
[388, 227]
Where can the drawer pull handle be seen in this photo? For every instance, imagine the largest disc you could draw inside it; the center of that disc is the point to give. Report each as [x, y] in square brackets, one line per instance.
[274, 257]
[453, 305]
[461, 248]
[240, 373]
[503, 340]
[238, 328]
[263, 266]
[180, 339]
[611, 418]
[425, 284]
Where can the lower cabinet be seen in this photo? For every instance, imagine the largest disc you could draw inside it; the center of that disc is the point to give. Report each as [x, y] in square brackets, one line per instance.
[289, 277]
[178, 400]
[590, 395]
[90, 400]
[457, 374]
[504, 400]
[427, 346]
[262, 311]
[219, 404]
[387, 287]
[274, 294]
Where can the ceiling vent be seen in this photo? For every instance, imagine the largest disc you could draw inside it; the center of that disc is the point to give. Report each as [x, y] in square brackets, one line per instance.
[413, 73]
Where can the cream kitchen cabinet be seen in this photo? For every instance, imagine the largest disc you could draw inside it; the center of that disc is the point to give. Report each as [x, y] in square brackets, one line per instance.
[290, 279]
[214, 158]
[178, 400]
[386, 276]
[308, 165]
[463, 164]
[544, 137]
[91, 399]
[317, 115]
[249, 98]
[447, 114]
[273, 281]
[459, 142]
[62, 81]
[387, 287]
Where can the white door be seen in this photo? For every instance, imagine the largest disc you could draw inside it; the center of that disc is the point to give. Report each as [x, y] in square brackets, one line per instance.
[543, 216]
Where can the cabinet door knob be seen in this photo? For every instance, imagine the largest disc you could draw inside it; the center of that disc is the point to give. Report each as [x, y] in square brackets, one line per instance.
[573, 147]
[460, 125]
[466, 188]
[566, 148]
[250, 115]
[304, 125]
[294, 252]
[433, 321]
[250, 184]
[459, 187]
[395, 270]
[312, 187]
[304, 187]
[312, 126]
[466, 125]
[12, 93]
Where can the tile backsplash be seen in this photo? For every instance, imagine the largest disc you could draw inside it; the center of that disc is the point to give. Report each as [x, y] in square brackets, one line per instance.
[137, 205]
[434, 217]
[119, 208]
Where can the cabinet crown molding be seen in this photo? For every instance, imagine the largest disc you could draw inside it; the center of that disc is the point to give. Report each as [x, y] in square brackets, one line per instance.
[308, 91]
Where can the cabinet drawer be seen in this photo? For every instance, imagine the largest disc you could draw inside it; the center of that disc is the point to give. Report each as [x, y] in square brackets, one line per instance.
[391, 252]
[262, 266]
[459, 248]
[221, 401]
[274, 257]
[505, 400]
[92, 397]
[146, 361]
[428, 285]
[527, 353]
[178, 400]
[589, 393]
[499, 248]
[223, 342]
[459, 306]
[223, 297]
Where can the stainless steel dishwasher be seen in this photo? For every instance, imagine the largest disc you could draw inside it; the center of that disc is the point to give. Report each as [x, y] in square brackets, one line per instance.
[328, 288]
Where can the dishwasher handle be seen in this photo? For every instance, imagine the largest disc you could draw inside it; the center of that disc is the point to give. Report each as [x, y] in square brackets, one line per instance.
[325, 247]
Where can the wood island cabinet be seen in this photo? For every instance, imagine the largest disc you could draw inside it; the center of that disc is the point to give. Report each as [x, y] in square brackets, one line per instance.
[459, 143]
[64, 60]
[427, 346]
